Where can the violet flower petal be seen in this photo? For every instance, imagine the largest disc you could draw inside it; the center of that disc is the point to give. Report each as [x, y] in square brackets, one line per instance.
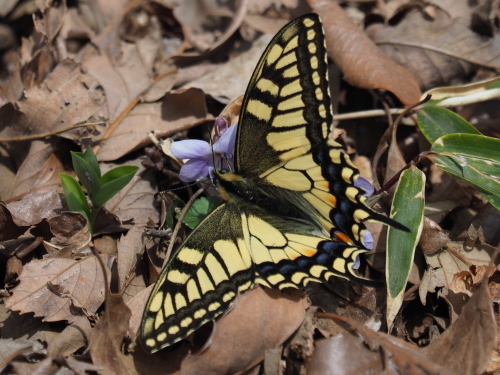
[226, 143]
[194, 169]
[357, 263]
[367, 240]
[362, 183]
[190, 149]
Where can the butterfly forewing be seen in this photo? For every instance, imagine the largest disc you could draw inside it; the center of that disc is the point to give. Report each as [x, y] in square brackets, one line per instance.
[286, 111]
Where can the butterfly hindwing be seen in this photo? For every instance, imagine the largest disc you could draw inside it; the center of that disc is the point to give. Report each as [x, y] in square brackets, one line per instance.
[200, 282]
[228, 253]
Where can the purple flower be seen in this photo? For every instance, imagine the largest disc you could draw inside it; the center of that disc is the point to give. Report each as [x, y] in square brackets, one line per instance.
[362, 183]
[203, 158]
[367, 239]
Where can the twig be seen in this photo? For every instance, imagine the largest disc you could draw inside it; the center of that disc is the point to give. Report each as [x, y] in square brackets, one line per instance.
[178, 225]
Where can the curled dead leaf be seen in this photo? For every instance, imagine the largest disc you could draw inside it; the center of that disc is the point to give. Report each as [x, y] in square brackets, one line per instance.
[362, 62]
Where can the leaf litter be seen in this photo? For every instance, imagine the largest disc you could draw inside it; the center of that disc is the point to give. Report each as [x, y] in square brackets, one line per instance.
[107, 73]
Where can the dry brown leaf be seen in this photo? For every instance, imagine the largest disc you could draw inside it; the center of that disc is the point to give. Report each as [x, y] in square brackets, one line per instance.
[59, 289]
[465, 347]
[393, 355]
[73, 337]
[130, 249]
[134, 287]
[22, 327]
[124, 82]
[363, 63]
[65, 98]
[21, 246]
[107, 339]
[344, 354]
[136, 306]
[433, 238]
[265, 25]
[261, 319]
[135, 201]
[235, 74]
[35, 207]
[436, 51]
[6, 7]
[39, 170]
[192, 15]
[69, 230]
[179, 110]
[9, 229]
[443, 265]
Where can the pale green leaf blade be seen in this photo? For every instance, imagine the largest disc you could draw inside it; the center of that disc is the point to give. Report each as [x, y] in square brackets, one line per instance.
[435, 122]
[408, 209]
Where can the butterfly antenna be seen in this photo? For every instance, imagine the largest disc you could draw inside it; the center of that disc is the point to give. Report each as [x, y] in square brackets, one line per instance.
[182, 187]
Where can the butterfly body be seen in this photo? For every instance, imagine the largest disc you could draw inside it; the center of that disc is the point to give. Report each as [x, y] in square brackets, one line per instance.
[293, 212]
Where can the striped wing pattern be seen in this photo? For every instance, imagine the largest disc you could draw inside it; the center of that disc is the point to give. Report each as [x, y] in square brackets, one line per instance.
[290, 182]
[227, 254]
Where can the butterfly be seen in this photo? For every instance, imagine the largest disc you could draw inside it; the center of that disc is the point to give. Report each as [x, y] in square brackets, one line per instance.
[293, 210]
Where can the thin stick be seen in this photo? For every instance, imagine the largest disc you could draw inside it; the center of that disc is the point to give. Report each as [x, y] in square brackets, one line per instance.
[178, 225]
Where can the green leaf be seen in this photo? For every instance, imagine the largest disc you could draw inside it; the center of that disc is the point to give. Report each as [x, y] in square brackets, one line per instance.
[75, 198]
[407, 209]
[435, 122]
[119, 172]
[199, 210]
[473, 158]
[113, 181]
[85, 172]
[89, 156]
[173, 210]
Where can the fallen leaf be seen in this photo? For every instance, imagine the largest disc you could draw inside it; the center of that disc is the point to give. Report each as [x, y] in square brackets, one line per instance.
[75, 336]
[135, 201]
[179, 110]
[466, 346]
[443, 265]
[362, 62]
[107, 339]
[436, 51]
[9, 229]
[235, 74]
[39, 170]
[65, 98]
[261, 319]
[130, 249]
[34, 207]
[348, 355]
[59, 289]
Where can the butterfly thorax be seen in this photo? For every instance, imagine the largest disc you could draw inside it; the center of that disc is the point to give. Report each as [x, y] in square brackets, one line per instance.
[256, 194]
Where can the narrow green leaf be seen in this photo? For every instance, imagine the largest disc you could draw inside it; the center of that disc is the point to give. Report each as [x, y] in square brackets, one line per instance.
[469, 145]
[473, 158]
[90, 157]
[75, 198]
[113, 181]
[118, 172]
[199, 210]
[459, 166]
[408, 209]
[85, 172]
[435, 122]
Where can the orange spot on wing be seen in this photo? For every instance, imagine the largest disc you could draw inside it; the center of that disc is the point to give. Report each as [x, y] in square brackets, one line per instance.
[341, 237]
[332, 200]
